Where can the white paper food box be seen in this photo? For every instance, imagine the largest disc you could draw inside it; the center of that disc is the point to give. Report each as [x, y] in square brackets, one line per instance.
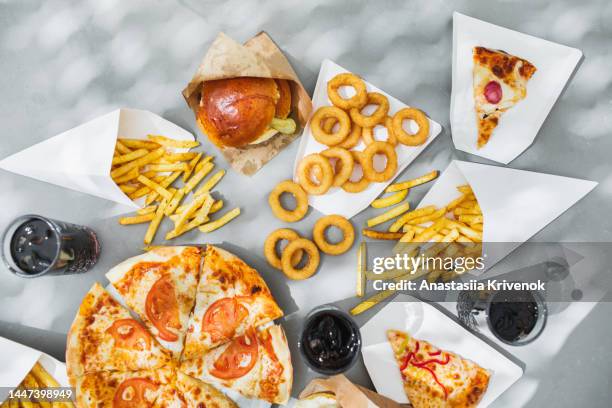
[80, 158]
[515, 204]
[519, 125]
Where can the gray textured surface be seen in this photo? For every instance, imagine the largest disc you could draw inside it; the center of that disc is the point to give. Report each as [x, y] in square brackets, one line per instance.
[64, 62]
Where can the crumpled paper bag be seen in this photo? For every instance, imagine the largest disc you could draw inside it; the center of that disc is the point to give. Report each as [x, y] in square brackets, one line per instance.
[258, 57]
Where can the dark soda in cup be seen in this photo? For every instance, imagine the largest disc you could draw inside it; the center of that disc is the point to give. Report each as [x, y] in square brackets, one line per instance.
[34, 245]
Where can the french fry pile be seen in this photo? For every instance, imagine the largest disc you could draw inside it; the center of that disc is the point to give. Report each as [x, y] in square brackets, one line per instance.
[452, 231]
[149, 168]
[38, 377]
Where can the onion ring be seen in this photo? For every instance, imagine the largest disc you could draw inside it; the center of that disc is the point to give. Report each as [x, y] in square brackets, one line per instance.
[342, 173]
[368, 161]
[270, 247]
[368, 133]
[325, 174]
[347, 79]
[348, 234]
[328, 124]
[351, 140]
[374, 98]
[287, 258]
[404, 137]
[328, 138]
[363, 182]
[301, 201]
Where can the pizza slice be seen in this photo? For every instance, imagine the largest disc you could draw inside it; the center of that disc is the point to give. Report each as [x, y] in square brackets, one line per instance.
[197, 393]
[257, 365]
[104, 336]
[160, 286]
[437, 378]
[500, 82]
[231, 298]
[130, 389]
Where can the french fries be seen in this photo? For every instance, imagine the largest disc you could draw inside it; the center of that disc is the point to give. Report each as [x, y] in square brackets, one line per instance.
[421, 212]
[38, 377]
[210, 183]
[391, 200]
[165, 182]
[165, 141]
[149, 168]
[455, 229]
[361, 269]
[141, 161]
[388, 215]
[139, 144]
[405, 185]
[154, 224]
[382, 235]
[121, 148]
[130, 156]
[227, 217]
[154, 186]
[192, 165]
[138, 219]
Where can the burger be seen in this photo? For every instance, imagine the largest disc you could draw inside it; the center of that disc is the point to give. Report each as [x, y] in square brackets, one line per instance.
[238, 112]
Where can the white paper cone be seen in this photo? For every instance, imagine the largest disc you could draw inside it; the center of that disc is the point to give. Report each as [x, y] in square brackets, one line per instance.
[336, 200]
[425, 322]
[519, 125]
[515, 204]
[80, 158]
[16, 360]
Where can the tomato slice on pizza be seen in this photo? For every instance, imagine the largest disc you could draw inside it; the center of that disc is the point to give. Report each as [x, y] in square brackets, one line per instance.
[256, 364]
[129, 389]
[231, 297]
[130, 334]
[104, 336]
[238, 358]
[160, 286]
[162, 308]
[435, 377]
[500, 82]
[223, 318]
[134, 392]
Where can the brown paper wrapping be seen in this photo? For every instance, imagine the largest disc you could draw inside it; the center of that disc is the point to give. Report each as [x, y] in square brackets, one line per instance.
[258, 57]
[349, 395]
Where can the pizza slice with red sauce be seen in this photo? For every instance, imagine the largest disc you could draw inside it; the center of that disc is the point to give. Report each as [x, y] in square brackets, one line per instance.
[437, 378]
[104, 336]
[133, 389]
[160, 286]
[500, 82]
[256, 364]
[231, 298]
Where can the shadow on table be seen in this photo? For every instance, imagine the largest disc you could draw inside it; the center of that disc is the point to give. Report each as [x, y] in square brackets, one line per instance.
[52, 343]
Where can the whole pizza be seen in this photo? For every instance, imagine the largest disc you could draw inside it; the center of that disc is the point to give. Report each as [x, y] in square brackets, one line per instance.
[198, 319]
